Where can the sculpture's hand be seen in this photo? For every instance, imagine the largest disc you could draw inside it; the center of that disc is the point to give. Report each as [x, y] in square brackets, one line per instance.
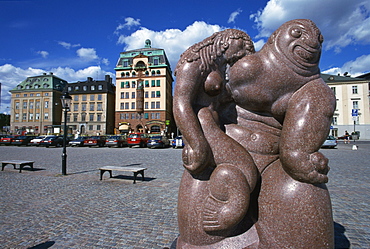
[198, 158]
[305, 167]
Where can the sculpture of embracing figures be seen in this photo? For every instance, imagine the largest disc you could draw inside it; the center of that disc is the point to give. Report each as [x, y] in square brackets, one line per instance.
[253, 123]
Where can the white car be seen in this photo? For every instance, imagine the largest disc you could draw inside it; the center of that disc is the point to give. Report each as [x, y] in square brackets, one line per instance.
[330, 142]
[36, 141]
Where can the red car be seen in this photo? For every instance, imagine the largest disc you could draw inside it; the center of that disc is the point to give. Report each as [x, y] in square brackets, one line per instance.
[140, 139]
[7, 140]
[95, 141]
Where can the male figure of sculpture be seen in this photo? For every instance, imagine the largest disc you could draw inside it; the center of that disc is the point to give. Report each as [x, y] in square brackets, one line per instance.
[270, 111]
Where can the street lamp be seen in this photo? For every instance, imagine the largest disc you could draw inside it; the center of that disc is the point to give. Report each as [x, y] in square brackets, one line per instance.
[66, 99]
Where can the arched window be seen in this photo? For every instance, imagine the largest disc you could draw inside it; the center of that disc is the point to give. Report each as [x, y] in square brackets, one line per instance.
[155, 129]
[158, 72]
[133, 74]
[153, 72]
[146, 73]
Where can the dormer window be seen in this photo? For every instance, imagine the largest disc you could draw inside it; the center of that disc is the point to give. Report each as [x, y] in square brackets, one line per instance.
[19, 87]
[36, 86]
[45, 86]
[125, 63]
[27, 86]
[156, 61]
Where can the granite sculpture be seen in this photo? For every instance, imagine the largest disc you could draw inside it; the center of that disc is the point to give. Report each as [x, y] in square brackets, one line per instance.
[253, 123]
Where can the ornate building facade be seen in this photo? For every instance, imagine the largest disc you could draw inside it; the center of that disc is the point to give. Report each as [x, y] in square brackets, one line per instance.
[144, 91]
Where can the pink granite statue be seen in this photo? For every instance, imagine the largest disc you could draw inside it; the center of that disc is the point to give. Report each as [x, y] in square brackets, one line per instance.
[253, 123]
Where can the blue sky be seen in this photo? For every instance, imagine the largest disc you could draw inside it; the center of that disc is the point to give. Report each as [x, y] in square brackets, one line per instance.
[79, 39]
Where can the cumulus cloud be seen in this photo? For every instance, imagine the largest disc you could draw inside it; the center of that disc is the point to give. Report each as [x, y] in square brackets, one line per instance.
[68, 45]
[175, 41]
[44, 54]
[340, 22]
[233, 16]
[129, 23]
[88, 54]
[354, 68]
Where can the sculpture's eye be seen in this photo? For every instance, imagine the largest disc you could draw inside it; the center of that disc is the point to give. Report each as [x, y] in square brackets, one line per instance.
[296, 32]
[321, 38]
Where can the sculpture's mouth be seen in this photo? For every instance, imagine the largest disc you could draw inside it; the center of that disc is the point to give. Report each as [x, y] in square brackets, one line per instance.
[306, 55]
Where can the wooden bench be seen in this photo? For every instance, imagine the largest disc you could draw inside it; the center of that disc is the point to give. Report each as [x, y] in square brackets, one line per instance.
[136, 170]
[21, 164]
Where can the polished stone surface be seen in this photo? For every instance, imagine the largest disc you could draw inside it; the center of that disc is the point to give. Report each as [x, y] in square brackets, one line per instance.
[253, 123]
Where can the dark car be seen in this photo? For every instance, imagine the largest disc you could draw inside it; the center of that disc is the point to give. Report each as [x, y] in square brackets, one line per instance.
[140, 139]
[77, 141]
[178, 142]
[158, 142]
[22, 140]
[95, 141]
[56, 141]
[7, 140]
[116, 141]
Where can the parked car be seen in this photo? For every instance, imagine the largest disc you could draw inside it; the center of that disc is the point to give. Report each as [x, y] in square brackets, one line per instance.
[330, 142]
[79, 141]
[36, 141]
[140, 139]
[56, 141]
[95, 141]
[178, 142]
[116, 141]
[22, 140]
[7, 140]
[158, 142]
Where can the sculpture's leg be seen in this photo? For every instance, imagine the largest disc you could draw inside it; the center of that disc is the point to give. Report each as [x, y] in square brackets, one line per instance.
[231, 182]
[293, 214]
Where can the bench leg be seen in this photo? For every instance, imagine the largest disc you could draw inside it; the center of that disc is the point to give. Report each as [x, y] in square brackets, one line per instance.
[3, 166]
[141, 172]
[21, 166]
[102, 171]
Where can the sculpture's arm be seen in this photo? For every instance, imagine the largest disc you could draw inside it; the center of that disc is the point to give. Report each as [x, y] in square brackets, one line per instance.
[189, 85]
[305, 128]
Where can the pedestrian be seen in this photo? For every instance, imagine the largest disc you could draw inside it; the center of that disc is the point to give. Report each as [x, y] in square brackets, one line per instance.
[346, 137]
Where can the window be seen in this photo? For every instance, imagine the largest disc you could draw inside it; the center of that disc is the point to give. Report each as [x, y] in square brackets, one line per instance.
[17, 116]
[92, 88]
[158, 72]
[334, 90]
[153, 94]
[146, 115]
[31, 105]
[152, 105]
[133, 116]
[38, 95]
[75, 107]
[133, 74]
[24, 104]
[100, 107]
[133, 105]
[100, 87]
[45, 85]
[335, 121]
[37, 104]
[91, 127]
[157, 105]
[69, 89]
[125, 63]
[146, 94]
[98, 117]
[156, 61]
[122, 106]
[146, 105]
[16, 105]
[127, 83]
[84, 97]
[46, 104]
[158, 83]
[83, 117]
[31, 116]
[153, 83]
[122, 116]
[100, 97]
[98, 127]
[92, 97]
[84, 88]
[92, 107]
[37, 116]
[83, 107]
[127, 106]
[25, 95]
[127, 95]
[122, 95]
[46, 115]
[24, 116]
[46, 94]
[31, 94]
[354, 90]
[355, 104]
[133, 95]
[68, 117]
[75, 116]
[75, 98]
[158, 94]
[91, 117]
[133, 84]
[17, 95]
[158, 115]
[147, 83]
[122, 84]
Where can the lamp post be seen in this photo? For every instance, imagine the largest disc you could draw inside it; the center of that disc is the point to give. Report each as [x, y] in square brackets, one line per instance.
[66, 99]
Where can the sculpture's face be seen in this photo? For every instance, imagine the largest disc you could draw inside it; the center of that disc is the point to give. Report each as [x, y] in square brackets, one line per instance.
[300, 41]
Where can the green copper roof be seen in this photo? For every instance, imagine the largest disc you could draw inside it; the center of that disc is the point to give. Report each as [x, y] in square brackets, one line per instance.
[41, 83]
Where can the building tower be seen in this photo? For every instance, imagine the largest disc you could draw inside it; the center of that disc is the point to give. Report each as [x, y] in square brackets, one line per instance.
[144, 91]
[35, 105]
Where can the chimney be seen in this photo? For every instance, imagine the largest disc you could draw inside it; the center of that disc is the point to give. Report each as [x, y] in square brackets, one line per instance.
[89, 79]
[108, 79]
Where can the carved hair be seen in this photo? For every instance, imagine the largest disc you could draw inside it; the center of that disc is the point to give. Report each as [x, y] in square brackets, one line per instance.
[212, 47]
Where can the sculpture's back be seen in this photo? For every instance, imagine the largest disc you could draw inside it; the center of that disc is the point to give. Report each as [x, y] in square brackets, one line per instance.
[254, 145]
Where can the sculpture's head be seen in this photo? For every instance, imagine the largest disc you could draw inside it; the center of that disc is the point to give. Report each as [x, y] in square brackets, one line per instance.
[299, 41]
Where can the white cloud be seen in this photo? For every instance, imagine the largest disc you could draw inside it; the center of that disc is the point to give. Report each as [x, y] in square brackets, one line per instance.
[129, 23]
[342, 23]
[68, 45]
[354, 68]
[105, 61]
[87, 54]
[44, 54]
[233, 16]
[175, 41]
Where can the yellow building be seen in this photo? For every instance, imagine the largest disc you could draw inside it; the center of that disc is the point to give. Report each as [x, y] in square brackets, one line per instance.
[144, 91]
[352, 96]
[92, 107]
[36, 106]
